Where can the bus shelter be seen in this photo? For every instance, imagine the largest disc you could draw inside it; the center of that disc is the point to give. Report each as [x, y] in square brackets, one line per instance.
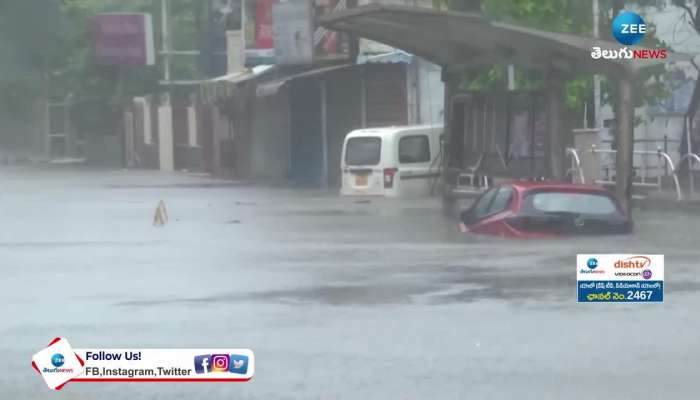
[464, 42]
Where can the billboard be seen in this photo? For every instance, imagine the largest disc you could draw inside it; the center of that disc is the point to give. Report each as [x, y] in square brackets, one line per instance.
[260, 47]
[299, 39]
[263, 25]
[294, 32]
[330, 45]
[122, 39]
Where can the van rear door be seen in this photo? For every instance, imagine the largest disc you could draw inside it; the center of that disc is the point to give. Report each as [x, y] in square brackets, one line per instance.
[362, 171]
[416, 172]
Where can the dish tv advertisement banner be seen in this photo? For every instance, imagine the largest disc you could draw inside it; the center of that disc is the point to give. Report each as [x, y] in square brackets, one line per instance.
[122, 39]
[620, 278]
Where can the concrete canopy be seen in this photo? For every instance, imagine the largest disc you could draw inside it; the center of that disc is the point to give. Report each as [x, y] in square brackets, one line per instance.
[461, 41]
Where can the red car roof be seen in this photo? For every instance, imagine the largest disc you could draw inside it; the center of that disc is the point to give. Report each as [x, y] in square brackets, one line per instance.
[523, 186]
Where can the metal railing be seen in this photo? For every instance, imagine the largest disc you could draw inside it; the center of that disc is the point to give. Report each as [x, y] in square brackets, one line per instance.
[644, 181]
[691, 177]
[575, 165]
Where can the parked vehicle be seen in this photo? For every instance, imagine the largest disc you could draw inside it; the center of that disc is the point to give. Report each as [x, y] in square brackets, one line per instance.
[525, 209]
[397, 161]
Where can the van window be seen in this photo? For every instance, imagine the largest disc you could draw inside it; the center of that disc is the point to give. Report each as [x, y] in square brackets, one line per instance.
[363, 151]
[414, 149]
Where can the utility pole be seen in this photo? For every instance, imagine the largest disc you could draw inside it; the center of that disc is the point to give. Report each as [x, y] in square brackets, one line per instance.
[166, 149]
[165, 31]
[596, 78]
[511, 77]
[244, 25]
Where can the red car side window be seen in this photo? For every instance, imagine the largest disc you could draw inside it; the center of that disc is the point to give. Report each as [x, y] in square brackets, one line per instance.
[492, 202]
[481, 208]
[501, 201]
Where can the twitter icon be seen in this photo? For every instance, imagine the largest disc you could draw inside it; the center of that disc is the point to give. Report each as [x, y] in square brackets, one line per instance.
[238, 364]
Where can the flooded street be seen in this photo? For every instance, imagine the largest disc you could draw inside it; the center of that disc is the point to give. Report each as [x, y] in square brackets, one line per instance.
[338, 298]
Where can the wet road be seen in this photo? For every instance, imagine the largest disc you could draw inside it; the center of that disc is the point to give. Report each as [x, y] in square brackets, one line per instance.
[338, 299]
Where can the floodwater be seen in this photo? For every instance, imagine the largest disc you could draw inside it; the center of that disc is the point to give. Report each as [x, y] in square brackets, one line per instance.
[338, 298]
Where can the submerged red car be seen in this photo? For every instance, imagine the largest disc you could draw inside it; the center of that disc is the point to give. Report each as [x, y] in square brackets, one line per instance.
[524, 209]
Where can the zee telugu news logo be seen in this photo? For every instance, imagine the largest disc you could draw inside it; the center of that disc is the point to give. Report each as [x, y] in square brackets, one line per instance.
[629, 29]
[234, 363]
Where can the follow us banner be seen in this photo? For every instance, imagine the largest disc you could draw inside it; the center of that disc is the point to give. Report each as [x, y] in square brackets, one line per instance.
[59, 363]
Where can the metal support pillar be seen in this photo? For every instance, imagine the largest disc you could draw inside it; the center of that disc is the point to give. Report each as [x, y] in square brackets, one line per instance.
[324, 135]
[449, 204]
[624, 162]
[555, 102]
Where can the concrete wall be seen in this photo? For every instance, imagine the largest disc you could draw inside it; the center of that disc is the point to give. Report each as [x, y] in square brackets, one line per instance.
[189, 150]
[431, 92]
[165, 138]
[145, 132]
[104, 150]
[20, 137]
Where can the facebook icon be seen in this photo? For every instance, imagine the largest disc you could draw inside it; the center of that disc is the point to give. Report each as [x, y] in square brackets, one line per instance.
[202, 363]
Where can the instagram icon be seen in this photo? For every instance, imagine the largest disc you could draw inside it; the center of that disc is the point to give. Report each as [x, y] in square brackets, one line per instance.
[219, 363]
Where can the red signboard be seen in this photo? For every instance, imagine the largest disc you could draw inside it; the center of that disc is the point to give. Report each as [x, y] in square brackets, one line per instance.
[122, 39]
[264, 38]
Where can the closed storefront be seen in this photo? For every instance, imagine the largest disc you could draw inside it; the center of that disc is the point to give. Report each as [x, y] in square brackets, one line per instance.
[386, 94]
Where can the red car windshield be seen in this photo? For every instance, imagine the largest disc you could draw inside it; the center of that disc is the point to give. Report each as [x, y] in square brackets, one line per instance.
[569, 202]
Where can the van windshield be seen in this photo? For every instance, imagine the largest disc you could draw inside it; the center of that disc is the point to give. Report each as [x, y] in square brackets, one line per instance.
[363, 151]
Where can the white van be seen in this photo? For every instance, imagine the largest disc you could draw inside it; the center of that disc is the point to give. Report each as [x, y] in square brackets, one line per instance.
[397, 161]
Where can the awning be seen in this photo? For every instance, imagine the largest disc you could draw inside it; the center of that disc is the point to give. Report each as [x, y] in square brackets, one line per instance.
[272, 87]
[222, 87]
[465, 41]
[393, 57]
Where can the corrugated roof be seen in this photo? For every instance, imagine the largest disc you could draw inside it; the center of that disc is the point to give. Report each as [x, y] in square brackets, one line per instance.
[392, 57]
[223, 87]
[272, 87]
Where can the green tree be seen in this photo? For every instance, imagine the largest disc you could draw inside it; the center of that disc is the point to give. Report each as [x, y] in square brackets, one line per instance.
[692, 14]
[566, 16]
[28, 42]
[74, 72]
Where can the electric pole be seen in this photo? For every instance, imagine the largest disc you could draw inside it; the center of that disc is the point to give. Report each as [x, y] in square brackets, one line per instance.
[596, 78]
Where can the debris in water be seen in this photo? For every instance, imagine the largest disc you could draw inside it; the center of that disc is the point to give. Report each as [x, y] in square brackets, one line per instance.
[160, 218]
